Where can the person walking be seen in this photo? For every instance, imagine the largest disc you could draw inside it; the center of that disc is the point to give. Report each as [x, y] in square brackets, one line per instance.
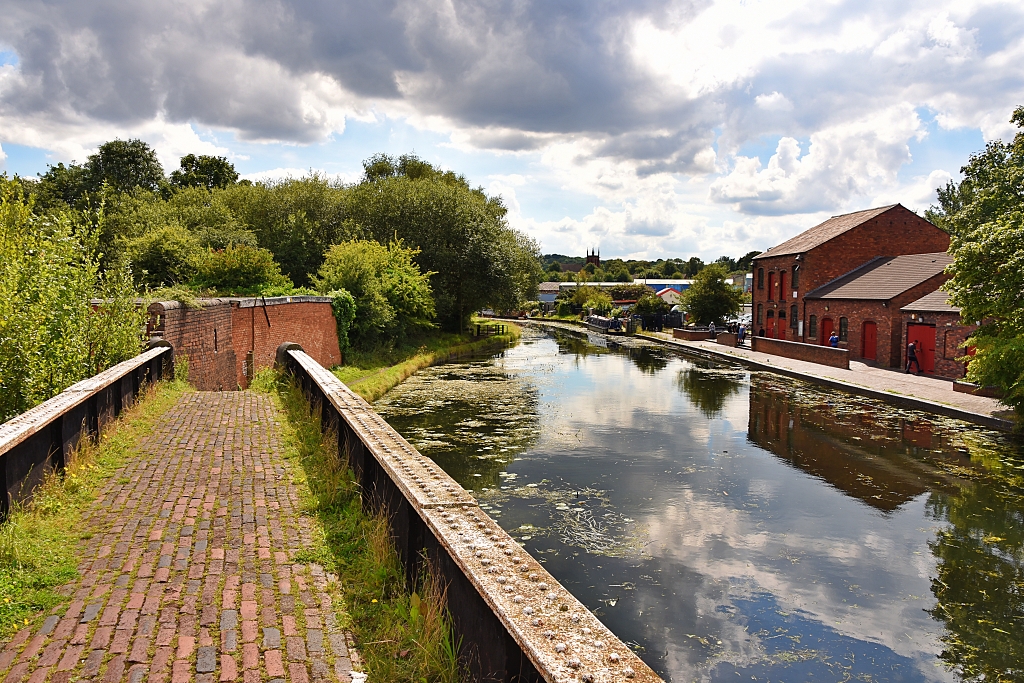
[741, 334]
[833, 341]
[912, 357]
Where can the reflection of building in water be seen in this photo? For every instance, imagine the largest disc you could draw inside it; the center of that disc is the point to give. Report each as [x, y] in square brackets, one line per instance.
[851, 450]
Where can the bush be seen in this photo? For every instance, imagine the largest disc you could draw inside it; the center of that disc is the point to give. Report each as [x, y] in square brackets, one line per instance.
[344, 306]
[650, 304]
[392, 296]
[164, 257]
[239, 270]
[51, 335]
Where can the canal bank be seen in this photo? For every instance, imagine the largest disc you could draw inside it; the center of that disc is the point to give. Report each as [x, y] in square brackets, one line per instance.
[929, 394]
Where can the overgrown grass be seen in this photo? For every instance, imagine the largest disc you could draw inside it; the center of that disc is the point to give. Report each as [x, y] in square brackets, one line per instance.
[371, 375]
[38, 541]
[401, 636]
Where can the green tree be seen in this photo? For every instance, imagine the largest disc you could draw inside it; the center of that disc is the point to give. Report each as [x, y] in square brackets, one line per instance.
[164, 256]
[746, 262]
[461, 235]
[650, 304]
[984, 214]
[239, 270]
[61, 186]
[204, 171]
[600, 301]
[344, 306]
[125, 165]
[555, 267]
[710, 299]
[692, 267]
[392, 295]
[51, 335]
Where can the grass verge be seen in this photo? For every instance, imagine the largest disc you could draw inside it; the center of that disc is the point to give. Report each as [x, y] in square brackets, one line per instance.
[38, 541]
[371, 375]
[402, 636]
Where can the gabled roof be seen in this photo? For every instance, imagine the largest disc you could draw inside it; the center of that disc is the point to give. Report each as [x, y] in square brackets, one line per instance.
[936, 302]
[883, 277]
[823, 232]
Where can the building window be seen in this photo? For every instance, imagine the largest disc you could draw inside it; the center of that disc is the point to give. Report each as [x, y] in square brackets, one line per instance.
[771, 314]
[771, 286]
[782, 314]
[760, 314]
[782, 286]
[760, 278]
[812, 327]
[844, 325]
[796, 277]
[793, 315]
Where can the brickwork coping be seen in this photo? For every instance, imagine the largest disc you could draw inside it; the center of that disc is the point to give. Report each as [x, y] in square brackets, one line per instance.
[41, 438]
[825, 355]
[514, 620]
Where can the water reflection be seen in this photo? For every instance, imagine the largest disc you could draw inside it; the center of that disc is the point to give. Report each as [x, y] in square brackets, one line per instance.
[727, 523]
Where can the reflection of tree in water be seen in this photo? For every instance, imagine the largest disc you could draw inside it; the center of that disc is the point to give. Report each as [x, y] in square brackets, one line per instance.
[573, 345]
[472, 418]
[647, 359]
[980, 582]
[708, 389]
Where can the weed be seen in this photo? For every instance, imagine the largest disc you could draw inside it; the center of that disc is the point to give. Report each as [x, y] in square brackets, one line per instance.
[402, 636]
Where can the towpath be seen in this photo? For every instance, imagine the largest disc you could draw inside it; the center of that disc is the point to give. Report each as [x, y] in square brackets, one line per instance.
[190, 573]
[926, 393]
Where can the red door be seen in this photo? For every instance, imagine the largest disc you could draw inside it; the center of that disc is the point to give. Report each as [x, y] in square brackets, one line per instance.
[869, 341]
[924, 335]
[770, 332]
[826, 331]
[781, 329]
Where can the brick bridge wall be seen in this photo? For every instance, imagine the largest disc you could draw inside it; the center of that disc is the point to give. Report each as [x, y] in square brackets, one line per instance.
[826, 355]
[217, 337]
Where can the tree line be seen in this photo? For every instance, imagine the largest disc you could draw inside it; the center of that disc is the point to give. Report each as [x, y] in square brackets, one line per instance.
[408, 247]
[619, 270]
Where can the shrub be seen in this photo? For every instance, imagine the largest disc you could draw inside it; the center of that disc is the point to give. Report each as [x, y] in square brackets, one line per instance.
[239, 269]
[164, 257]
[51, 334]
[391, 295]
[344, 307]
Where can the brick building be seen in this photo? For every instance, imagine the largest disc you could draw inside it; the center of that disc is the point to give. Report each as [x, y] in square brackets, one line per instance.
[227, 339]
[863, 306]
[939, 332]
[785, 273]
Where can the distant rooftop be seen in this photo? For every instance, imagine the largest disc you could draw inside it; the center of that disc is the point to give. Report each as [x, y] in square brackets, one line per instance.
[936, 302]
[884, 277]
[823, 232]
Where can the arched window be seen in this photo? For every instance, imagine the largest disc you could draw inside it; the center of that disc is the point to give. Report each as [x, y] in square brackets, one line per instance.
[771, 313]
[760, 314]
[812, 327]
[844, 325]
[793, 315]
[796, 276]
[760, 278]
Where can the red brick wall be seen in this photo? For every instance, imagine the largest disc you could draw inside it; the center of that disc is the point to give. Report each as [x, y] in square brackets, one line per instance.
[309, 324]
[217, 337]
[896, 232]
[949, 335]
[888, 319]
[204, 336]
[826, 355]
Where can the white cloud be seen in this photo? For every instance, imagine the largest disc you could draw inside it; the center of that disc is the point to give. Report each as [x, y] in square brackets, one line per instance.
[774, 101]
[842, 163]
[3, 158]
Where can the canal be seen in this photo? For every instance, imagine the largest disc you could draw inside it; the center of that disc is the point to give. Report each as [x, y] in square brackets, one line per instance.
[734, 525]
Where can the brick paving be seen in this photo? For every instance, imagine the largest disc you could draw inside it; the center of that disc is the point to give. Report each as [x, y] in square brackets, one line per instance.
[189, 574]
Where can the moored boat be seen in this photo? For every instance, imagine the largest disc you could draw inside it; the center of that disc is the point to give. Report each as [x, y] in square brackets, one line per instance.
[598, 323]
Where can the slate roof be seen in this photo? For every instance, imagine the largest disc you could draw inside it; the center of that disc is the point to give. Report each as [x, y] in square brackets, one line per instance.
[549, 287]
[883, 277]
[823, 232]
[936, 302]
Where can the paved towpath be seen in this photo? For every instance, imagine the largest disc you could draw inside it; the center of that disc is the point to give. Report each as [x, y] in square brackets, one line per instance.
[189, 573]
[927, 389]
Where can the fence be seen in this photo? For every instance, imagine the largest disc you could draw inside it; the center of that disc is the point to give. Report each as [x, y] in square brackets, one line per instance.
[41, 438]
[513, 620]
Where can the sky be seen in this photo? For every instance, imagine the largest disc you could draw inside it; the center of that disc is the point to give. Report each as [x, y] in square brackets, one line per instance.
[644, 129]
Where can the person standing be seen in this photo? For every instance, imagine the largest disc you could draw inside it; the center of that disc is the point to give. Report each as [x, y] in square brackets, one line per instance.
[833, 341]
[711, 328]
[912, 357]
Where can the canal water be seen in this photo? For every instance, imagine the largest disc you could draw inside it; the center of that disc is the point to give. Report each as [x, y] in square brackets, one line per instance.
[734, 525]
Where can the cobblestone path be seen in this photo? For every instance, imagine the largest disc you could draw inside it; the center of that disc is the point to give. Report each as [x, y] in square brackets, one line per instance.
[188, 575]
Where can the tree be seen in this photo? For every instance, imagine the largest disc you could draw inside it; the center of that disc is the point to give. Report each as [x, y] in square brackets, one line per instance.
[710, 298]
[239, 270]
[555, 267]
[692, 267]
[204, 171]
[475, 258]
[650, 304]
[392, 295]
[61, 186]
[125, 165]
[746, 262]
[165, 256]
[984, 214]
